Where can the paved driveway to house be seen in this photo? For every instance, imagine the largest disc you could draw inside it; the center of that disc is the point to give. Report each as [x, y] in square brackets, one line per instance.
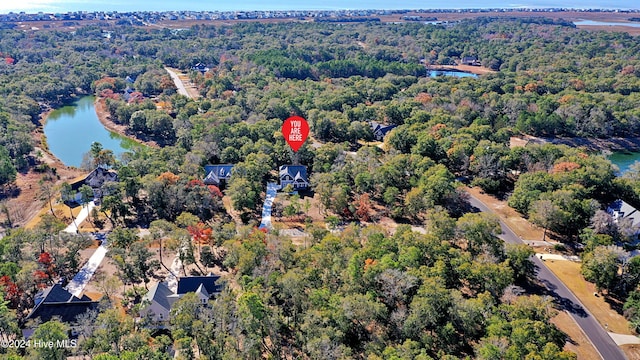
[597, 335]
[77, 285]
[272, 190]
[82, 216]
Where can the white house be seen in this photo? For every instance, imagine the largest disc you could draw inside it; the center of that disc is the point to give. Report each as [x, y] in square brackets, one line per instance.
[620, 209]
[161, 298]
[159, 303]
[296, 175]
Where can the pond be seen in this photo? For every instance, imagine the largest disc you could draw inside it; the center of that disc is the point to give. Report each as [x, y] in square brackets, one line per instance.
[461, 74]
[70, 131]
[624, 159]
[604, 23]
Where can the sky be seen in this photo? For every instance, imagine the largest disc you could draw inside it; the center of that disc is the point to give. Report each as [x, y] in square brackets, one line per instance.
[34, 6]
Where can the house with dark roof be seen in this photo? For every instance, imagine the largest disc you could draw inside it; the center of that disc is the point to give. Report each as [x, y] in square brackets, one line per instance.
[200, 67]
[96, 180]
[201, 285]
[296, 175]
[380, 130]
[470, 60]
[161, 298]
[56, 302]
[217, 175]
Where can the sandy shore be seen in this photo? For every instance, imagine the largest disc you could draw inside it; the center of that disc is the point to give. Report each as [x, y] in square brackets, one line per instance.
[612, 144]
[591, 144]
[105, 120]
[478, 70]
[28, 202]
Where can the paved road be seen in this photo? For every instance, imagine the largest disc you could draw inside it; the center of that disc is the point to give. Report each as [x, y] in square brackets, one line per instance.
[597, 335]
[182, 90]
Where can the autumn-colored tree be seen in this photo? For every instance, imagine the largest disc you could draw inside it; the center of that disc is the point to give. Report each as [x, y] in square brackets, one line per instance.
[363, 207]
[47, 264]
[11, 290]
[200, 233]
[564, 166]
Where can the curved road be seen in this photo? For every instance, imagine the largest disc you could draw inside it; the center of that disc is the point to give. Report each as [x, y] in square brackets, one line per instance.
[597, 335]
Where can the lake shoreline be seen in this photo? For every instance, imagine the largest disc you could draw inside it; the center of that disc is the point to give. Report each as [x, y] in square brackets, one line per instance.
[105, 119]
[477, 70]
[630, 144]
[614, 144]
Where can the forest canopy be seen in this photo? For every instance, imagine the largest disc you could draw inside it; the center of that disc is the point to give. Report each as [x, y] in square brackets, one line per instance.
[355, 289]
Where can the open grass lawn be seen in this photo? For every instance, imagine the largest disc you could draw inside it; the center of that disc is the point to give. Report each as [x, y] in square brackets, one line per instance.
[632, 351]
[577, 341]
[569, 273]
[61, 210]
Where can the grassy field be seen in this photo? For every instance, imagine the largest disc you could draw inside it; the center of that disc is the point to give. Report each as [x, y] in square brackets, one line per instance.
[577, 341]
[569, 273]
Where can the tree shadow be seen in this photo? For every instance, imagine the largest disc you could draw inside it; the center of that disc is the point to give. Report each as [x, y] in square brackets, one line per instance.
[615, 304]
[9, 191]
[543, 287]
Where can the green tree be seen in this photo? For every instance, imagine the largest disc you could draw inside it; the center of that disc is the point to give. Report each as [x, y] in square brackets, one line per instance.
[7, 170]
[601, 267]
[519, 257]
[544, 213]
[53, 331]
[8, 321]
[479, 232]
[243, 196]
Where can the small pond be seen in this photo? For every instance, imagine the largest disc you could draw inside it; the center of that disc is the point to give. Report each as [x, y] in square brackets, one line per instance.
[436, 73]
[70, 131]
[624, 159]
[604, 23]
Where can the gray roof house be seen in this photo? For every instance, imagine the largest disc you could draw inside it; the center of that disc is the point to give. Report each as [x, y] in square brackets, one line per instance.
[217, 174]
[470, 60]
[159, 302]
[96, 180]
[161, 298]
[620, 209]
[296, 175]
[380, 130]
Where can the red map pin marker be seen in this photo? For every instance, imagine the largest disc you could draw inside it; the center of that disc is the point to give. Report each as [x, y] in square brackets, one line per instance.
[295, 130]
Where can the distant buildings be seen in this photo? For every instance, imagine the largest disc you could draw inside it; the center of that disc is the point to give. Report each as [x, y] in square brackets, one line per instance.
[470, 60]
[200, 67]
[146, 18]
